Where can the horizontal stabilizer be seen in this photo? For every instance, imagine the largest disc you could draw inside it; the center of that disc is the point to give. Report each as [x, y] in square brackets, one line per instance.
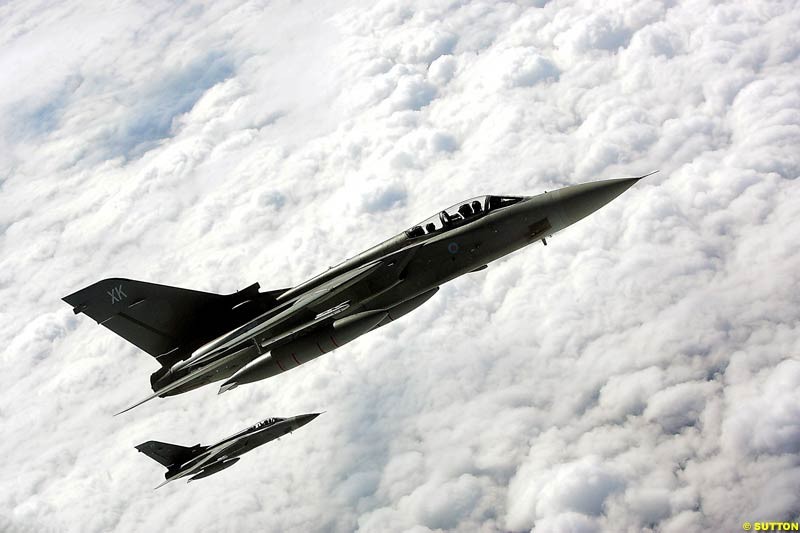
[202, 371]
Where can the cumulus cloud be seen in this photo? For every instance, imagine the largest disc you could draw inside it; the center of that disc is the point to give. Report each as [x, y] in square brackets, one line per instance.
[639, 373]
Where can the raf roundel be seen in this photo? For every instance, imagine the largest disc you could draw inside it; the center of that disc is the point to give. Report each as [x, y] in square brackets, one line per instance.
[452, 247]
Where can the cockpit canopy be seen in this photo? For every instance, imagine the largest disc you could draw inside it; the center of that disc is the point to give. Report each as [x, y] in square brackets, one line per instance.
[267, 422]
[461, 213]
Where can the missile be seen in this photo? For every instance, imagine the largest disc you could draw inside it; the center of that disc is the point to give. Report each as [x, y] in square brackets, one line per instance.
[406, 307]
[303, 349]
[213, 469]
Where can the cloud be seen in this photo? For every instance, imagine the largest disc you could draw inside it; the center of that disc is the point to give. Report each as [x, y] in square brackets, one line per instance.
[638, 373]
[442, 69]
[766, 420]
[678, 406]
[150, 117]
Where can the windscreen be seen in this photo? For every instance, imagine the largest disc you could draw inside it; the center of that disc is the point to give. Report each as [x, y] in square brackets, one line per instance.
[461, 213]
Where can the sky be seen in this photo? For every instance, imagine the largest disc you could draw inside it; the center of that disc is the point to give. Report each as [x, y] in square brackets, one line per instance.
[640, 373]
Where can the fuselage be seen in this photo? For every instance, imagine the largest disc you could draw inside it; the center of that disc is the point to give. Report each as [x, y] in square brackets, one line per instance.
[454, 242]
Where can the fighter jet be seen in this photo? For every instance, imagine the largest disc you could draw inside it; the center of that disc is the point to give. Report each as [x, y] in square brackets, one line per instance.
[199, 337]
[202, 461]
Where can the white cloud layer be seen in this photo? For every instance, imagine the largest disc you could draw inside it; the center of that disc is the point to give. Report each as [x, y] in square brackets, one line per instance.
[640, 373]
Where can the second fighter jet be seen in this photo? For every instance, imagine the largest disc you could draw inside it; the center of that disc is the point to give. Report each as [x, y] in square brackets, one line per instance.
[202, 461]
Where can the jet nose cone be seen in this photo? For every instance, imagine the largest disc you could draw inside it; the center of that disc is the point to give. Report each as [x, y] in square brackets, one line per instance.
[582, 200]
[305, 419]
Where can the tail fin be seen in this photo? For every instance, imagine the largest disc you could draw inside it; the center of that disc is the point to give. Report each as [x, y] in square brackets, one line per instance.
[167, 454]
[167, 322]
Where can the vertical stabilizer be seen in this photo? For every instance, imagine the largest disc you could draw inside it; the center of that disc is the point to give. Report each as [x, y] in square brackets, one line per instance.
[165, 453]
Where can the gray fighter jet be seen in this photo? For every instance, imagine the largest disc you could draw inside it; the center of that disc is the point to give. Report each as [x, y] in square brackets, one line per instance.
[202, 461]
[199, 337]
